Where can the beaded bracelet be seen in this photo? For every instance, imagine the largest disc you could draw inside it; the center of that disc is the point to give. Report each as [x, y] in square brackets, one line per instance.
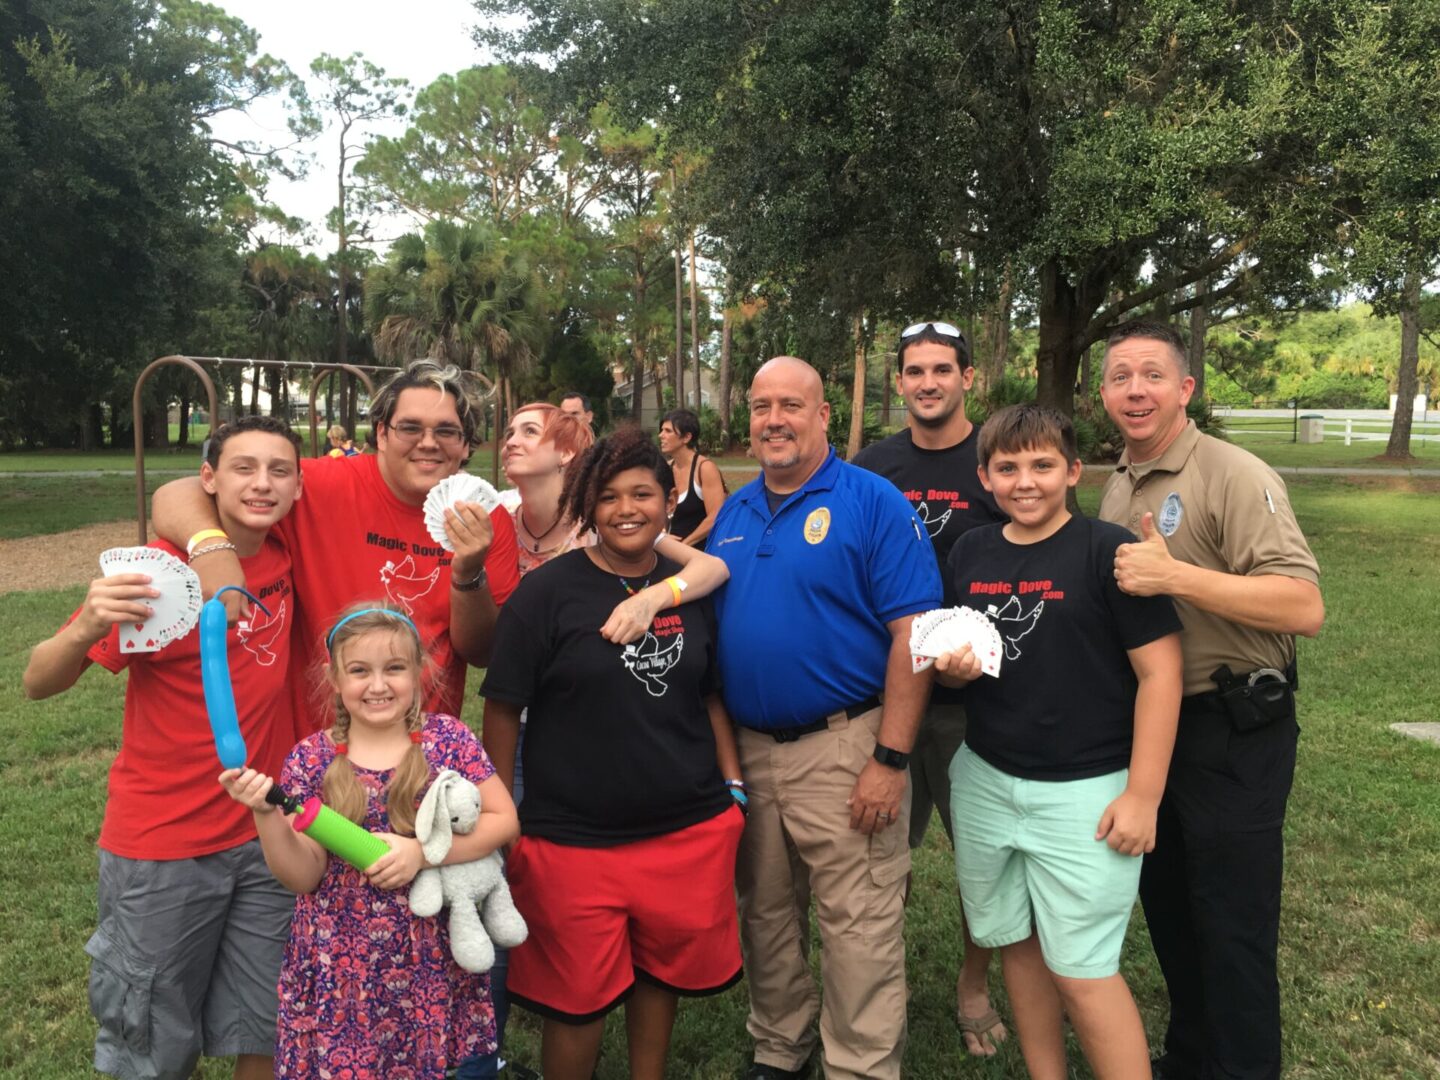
[208, 548]
[203, 534]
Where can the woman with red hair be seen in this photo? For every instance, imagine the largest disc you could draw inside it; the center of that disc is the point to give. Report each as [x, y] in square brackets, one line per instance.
[540, 444]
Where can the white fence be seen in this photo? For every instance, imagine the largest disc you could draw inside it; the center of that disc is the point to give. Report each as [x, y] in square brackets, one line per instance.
[1346, 425]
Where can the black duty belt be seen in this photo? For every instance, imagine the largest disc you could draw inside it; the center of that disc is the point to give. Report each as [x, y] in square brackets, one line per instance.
[790, 734]
[1214, 699]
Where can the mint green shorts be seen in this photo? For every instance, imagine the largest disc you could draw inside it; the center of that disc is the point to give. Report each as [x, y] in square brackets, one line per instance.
[1027, 859]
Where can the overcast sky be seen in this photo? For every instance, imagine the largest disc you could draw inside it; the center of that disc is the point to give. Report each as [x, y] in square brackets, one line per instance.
[416, 41]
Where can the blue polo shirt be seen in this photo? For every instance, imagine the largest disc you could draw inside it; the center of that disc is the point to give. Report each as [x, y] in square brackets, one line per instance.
[802, 620]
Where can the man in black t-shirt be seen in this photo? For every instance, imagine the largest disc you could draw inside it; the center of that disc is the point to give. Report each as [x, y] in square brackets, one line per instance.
[933, 463]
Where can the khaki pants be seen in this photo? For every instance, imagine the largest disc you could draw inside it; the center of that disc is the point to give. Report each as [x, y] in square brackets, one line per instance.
[798, 841]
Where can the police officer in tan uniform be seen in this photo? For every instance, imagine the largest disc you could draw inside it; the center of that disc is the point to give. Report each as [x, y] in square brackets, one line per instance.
[1218, 536]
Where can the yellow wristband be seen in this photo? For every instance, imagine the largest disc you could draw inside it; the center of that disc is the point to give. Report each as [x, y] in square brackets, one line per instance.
[675, 590]
[201, 536]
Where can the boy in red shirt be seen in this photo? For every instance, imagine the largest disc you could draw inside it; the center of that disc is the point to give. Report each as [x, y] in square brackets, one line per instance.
[192, 925]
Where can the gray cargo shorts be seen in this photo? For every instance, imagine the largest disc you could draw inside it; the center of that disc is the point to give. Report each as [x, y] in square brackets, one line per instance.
[185, 961]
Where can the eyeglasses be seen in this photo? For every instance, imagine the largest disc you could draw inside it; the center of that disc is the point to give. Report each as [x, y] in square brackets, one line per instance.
[942, 328]
[445, 434]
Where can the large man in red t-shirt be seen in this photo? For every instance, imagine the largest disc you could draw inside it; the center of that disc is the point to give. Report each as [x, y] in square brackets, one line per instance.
[359, 535]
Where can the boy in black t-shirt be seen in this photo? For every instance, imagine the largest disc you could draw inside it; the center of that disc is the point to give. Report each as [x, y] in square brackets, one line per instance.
[1056, 788]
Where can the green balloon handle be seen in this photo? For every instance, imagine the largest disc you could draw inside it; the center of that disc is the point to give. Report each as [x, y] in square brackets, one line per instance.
[339, 834]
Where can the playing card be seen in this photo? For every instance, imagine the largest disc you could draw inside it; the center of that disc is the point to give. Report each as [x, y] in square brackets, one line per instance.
[462, 487]
[946, 630]
[176, 609]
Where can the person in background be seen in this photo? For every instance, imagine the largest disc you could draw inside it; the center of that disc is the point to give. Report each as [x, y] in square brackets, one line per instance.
[573, 403]
[701, 487]
[341, 445]
[933, 464]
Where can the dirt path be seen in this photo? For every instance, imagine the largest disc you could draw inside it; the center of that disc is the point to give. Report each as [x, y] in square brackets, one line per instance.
[60, 559]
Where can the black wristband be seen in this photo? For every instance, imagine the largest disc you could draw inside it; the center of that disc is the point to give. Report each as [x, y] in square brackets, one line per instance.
[477, 582]
[893, 758]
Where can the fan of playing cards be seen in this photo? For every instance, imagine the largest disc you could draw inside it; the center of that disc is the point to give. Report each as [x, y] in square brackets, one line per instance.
[177, 608]
[462, 487]
[945, 630]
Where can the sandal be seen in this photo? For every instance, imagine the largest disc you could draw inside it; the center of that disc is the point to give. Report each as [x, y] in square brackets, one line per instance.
[980, 1027]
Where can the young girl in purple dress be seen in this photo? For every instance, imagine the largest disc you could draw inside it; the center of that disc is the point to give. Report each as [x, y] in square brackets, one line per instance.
[367, 988]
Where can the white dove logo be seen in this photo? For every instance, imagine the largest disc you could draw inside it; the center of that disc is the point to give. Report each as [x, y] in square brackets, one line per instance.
[934, 526]
[403, 584]
[260, 633]
[649, 663]
[1014, 624]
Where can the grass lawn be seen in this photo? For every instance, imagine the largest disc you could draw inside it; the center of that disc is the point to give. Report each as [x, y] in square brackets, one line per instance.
[1360, 962]
[1333, 453]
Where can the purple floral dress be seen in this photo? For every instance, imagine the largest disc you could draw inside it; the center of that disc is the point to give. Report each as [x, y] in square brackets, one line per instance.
[368, 989]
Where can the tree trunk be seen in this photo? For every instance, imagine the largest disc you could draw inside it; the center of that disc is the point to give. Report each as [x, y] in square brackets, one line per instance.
[184, 439]
[637, 378]
[501, 389]
[727, 345]
[255, 390]
[157, 426]
[998, 333]
[92, 431]
[637, 347]
[1199, 316]
[677, 364]
[350, 402]
[857, 401]
[695, 323]
[660, 390]
[887, 391]
[1087, 360]
[1405, 385]
[341, 345]
[1063, 320]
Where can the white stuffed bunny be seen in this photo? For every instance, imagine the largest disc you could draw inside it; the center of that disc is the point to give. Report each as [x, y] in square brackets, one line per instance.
[482, 915]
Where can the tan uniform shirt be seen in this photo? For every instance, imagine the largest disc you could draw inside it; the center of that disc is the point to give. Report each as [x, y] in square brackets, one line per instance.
[1221, 508]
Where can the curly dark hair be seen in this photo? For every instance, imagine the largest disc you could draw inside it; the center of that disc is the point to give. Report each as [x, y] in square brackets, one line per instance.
[628, 448]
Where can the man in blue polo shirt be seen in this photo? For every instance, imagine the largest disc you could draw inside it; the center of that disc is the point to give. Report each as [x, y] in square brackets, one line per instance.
[828, 564]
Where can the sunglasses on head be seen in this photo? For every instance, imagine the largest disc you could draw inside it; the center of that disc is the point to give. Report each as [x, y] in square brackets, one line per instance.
[944, 329]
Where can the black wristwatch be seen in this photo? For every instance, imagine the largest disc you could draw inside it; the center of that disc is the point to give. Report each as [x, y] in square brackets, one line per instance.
[477, 582]
[893, 758]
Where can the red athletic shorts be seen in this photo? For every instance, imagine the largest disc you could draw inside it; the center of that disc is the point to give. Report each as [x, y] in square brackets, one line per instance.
[662, 910]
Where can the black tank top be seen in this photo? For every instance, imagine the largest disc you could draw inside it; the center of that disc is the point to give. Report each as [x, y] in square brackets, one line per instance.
[690, 511]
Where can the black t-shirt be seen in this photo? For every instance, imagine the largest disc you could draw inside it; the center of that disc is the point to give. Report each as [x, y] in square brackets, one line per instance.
[945, 490]
[1063, 707]
[942, 485]
[618, 742]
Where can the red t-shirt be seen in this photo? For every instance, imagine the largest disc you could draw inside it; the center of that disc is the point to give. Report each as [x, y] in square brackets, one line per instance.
[353, 540]
[164, 801]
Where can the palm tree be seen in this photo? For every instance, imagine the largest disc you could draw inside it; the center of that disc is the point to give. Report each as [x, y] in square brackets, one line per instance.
[460, 293]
